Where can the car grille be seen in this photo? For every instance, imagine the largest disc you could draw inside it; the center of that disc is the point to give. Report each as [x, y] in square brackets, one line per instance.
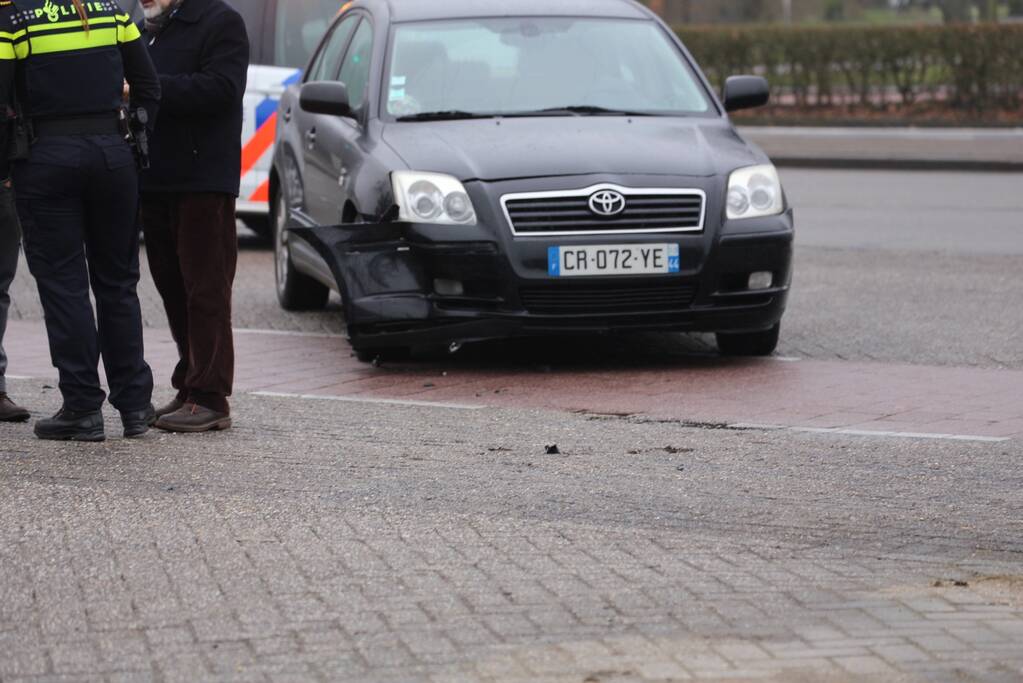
[574, 299]
[570, 214]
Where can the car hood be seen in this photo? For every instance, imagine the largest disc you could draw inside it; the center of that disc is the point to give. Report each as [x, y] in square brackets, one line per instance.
[504, 149]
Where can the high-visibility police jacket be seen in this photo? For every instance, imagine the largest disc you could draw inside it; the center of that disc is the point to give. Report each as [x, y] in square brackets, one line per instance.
[64, 69]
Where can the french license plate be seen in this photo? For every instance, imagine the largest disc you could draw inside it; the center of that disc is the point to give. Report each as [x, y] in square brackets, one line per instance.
[619, 259]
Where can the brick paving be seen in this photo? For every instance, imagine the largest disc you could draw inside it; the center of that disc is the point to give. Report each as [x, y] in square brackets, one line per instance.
[870, 397]
[320, 541]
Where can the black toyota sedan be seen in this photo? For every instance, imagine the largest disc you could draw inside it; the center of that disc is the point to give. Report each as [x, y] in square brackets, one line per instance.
[469, 170]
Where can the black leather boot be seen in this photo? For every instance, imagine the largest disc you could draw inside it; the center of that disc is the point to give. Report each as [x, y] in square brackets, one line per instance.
[68, 425]
[138, 422]
[10, 411]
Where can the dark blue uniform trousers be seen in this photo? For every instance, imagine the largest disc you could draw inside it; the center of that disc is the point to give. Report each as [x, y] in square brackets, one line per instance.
[10, 239]
[78, 202]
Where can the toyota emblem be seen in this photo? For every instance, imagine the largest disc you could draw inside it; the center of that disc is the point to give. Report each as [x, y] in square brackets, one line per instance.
[607, 203]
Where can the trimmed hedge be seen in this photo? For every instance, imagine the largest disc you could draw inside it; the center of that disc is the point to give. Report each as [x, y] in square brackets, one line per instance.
[976, 68]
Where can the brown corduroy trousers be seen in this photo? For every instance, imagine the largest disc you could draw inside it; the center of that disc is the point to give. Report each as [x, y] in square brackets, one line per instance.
[192, 246]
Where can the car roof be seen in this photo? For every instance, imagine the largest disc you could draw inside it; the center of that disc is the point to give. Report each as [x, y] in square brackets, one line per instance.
[422, 10]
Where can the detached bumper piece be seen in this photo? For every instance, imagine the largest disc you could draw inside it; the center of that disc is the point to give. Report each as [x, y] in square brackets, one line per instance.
[403, 287]
[387, 273]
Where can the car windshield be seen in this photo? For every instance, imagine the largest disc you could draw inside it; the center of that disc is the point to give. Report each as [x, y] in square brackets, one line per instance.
[522, 66]
[300, 26]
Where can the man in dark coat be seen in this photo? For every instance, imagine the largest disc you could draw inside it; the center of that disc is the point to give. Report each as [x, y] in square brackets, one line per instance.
[201, 52]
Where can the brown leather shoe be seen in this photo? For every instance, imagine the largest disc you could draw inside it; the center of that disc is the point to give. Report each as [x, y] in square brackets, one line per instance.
[192, 418]
[11, 412]
[172, 407]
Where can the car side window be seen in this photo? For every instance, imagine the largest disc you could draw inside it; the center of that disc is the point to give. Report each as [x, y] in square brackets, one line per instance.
[328, 61]
[355, 69]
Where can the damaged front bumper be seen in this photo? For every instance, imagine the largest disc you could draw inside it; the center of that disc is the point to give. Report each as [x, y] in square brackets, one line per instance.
[407, 285]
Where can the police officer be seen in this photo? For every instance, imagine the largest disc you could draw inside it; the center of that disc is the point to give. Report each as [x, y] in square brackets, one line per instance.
[77, 196]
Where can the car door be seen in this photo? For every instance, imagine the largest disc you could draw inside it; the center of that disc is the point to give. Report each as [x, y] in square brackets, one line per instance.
[335, 145]
[318, 176]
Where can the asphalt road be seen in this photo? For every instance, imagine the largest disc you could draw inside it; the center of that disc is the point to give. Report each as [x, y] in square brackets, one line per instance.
[382, 543]
[955, 213]
[918, 267]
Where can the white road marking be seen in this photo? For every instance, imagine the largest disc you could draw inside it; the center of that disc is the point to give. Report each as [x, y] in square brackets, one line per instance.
[372, 401]
[877, 434]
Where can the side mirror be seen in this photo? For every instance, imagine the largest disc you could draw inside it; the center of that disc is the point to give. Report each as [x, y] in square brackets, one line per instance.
[325, 97]
[746, 92]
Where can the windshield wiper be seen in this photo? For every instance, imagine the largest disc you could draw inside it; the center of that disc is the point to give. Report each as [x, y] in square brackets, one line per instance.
[580, 110]
[572, 110]
[447, 115]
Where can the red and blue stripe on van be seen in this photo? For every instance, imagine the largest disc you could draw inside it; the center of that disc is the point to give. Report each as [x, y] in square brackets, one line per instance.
[257, 147]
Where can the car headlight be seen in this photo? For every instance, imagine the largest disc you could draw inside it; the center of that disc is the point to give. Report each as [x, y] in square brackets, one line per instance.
[432, 198]
[754, 192]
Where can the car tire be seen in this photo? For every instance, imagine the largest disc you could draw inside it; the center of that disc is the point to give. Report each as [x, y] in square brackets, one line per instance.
[379, 355]
[295, 291]
[749, 343]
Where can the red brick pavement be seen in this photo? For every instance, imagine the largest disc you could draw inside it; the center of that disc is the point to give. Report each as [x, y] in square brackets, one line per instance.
[871, 397]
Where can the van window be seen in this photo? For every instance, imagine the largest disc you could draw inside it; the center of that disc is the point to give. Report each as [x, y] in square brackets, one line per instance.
[299, 28]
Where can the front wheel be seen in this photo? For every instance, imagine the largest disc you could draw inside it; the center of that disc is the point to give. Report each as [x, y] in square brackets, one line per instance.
[380, 355]
[295, 291]
[749, 343]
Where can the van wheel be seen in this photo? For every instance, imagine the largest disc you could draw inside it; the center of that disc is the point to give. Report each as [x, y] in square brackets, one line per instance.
[749, 343]
[295, 291]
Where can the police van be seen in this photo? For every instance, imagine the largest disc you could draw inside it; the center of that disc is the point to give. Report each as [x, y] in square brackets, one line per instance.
[282, 36]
